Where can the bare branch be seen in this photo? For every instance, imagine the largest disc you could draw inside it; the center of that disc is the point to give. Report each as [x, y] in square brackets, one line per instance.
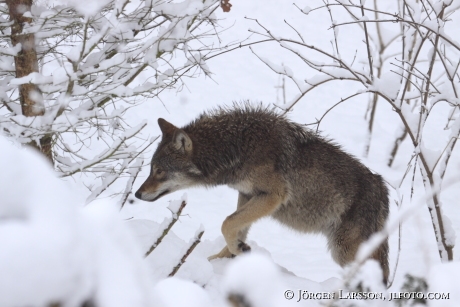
[174, 219]
[187, 253]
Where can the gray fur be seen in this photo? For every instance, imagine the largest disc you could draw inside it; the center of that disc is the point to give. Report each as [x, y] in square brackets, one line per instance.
[280, 169]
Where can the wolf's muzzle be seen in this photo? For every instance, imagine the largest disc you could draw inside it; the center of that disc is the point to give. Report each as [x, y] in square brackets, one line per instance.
[142, 195]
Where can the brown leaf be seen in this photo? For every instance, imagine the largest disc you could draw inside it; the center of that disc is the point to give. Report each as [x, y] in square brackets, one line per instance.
[225, 5]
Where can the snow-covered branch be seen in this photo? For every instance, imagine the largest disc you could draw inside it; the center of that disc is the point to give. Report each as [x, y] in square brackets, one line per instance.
[96, 61]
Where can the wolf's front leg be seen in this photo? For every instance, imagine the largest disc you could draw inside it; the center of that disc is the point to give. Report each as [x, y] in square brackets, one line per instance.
[225, 253]
[235, 224]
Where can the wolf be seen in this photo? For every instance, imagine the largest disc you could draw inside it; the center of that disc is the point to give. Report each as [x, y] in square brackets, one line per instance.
[280, 169]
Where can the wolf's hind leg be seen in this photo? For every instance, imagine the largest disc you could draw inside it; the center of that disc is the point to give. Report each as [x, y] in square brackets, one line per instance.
[242, 234]
[345, 243]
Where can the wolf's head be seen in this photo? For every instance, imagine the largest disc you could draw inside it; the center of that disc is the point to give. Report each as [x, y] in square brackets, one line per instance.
[172, 168]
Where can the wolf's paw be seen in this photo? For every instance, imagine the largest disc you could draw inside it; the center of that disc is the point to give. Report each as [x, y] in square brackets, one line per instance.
[224, 253]
[243, 247]
[239, 247]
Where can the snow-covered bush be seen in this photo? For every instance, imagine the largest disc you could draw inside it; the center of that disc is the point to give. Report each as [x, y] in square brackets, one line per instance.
[70, 70]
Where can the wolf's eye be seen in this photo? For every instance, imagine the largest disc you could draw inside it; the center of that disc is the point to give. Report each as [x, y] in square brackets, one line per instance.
[160, 172]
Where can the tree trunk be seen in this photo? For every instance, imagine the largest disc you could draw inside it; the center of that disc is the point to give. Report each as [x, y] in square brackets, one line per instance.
[26, 62]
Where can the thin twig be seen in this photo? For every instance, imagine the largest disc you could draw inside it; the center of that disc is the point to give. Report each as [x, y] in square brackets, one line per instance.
[368, 47]
[398, 254]
[167, 229]
[187, 253]
[129, 185]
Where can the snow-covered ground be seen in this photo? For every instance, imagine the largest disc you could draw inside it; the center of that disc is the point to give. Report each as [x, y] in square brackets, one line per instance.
[94, 254]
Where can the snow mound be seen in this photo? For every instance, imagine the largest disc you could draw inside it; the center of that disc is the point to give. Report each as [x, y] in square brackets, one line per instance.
[442, 280]
[190, 294]
[255, 280]
[54, 251]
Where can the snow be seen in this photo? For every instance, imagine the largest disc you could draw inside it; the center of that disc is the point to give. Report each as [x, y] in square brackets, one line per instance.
[412, 119]
[255, 278]
[175, 204]
[443, 279]
[33, 77]
[431, 156]
[86, 8]
[62, 74]
[388, 84]
[56, 250]
[415, 8]
[175, 292]
[449, 230]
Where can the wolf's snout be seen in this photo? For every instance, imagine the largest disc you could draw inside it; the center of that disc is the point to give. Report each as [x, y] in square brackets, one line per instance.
[138, 194]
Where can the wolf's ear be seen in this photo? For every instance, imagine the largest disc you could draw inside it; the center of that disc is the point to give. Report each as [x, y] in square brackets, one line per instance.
[167, 128]
[182, 141]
